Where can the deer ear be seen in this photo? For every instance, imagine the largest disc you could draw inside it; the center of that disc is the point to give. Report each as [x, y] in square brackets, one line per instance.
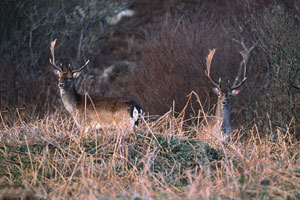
[57, 72]
[216, 90]
[76, 74]
[235, 92]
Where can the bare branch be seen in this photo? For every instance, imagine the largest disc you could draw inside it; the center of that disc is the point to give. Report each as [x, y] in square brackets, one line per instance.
[208, 65]
[52, 62]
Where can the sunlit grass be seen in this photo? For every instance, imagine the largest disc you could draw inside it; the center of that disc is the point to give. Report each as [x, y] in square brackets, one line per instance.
[50, 158]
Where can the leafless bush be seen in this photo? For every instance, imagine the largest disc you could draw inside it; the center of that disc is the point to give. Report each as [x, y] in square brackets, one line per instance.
[279, 32]
[172, 61]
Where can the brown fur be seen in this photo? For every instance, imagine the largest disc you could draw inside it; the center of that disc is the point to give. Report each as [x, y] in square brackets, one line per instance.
[104, 110]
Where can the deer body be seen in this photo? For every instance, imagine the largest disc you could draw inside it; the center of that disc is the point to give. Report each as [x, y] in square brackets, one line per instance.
[94, 111]
[100, 111]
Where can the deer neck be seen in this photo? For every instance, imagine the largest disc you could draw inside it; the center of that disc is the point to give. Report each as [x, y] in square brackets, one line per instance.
[70, 99]
[223, 114]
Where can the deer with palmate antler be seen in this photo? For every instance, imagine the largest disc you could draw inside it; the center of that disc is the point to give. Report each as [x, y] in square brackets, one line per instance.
[220, 125]
[93, 111]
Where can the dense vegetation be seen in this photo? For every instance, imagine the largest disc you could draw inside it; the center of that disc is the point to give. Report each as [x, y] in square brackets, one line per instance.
[159, 54]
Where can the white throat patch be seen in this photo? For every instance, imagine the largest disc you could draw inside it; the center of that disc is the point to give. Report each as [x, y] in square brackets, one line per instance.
[67, 101]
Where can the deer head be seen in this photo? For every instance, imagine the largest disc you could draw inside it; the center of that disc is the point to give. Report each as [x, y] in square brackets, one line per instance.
[65, 75]
[225, 94]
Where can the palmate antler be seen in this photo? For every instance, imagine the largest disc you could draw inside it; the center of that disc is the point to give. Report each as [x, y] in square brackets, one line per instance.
[236, 84]
[52, 62]
[245, 53]
[208, 66]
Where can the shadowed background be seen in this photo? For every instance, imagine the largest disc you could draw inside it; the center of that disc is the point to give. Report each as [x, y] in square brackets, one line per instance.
[156, 53]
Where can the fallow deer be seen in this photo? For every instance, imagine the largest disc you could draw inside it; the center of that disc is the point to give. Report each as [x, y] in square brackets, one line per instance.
[93, 111]
[220, 125]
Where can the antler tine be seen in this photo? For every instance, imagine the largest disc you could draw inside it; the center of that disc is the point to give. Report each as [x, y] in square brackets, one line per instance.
[52, 62]
[245, 54]
[81, 68]
[237, 85]
[208, 65]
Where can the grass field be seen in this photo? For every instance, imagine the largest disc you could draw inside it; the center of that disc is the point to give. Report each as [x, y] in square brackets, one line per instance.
[165, 159]
[161, 55]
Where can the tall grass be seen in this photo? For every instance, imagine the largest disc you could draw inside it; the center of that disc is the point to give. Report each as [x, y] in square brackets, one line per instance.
[50, 158]
[43, 155]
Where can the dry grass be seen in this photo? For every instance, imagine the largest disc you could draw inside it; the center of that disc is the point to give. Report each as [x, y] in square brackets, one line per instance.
[164, 159]
[44, 156]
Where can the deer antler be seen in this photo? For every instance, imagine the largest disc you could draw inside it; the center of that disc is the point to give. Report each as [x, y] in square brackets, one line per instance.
[81, 68]
[245, 54]
[52, 62]
[208, 65]
[236, 84]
